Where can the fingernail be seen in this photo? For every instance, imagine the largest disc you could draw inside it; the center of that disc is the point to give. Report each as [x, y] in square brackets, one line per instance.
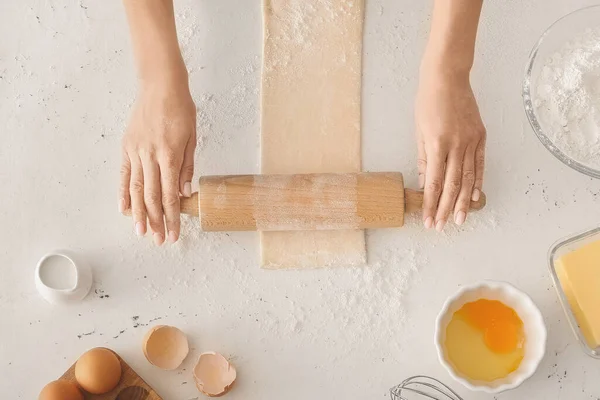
[429, 223]
[187, 189]
[172, 237]
[139, 229]
[439, 226]
[158, 239]
[460, 218]
[476, 194]
[421, 181]
[122, 206]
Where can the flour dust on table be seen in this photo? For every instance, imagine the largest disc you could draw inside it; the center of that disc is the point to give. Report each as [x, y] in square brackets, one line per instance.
[568, 98]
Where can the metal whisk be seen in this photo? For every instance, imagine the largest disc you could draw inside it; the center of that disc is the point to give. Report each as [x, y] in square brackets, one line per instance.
[425, 387]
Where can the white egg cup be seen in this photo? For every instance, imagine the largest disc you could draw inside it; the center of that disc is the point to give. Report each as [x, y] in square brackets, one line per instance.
[81, 287]
[533, 324]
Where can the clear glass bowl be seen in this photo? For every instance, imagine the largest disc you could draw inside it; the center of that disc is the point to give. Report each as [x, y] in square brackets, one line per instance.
[563, 30]
[559, 249]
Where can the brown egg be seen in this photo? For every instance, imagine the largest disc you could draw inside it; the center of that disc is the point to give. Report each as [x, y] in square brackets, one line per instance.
[98, 371]
[61, 390]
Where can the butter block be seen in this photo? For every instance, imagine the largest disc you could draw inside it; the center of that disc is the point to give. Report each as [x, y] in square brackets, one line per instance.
[579, 276]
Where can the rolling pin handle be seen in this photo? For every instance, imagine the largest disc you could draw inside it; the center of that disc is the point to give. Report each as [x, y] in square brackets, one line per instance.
[187, 205]
[413, 201]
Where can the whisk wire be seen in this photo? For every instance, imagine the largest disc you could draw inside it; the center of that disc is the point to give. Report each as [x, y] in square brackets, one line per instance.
[420, 384]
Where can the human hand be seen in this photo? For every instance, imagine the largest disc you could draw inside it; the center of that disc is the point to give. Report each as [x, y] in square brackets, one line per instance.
[158, 157]
[451, 144]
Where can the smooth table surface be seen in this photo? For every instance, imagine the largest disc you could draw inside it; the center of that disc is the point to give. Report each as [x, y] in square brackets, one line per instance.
[66, 85]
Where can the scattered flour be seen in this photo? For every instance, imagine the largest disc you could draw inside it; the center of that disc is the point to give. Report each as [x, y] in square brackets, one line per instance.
[568, 98]
[223, 111]
[352, 309]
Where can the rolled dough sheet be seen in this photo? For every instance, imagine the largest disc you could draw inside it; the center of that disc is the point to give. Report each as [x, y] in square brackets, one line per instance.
[311, 89]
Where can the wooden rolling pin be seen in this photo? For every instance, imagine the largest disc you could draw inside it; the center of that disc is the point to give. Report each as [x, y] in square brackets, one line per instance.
[304, 202]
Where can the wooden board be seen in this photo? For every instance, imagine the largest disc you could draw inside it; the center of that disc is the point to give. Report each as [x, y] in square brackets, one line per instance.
[131, 386]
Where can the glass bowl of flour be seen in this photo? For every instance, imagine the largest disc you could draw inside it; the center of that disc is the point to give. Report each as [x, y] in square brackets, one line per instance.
[561, 90]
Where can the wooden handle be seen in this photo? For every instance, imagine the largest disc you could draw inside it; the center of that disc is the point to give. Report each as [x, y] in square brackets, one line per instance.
[304, 202]
[414, 201]
[187, 205]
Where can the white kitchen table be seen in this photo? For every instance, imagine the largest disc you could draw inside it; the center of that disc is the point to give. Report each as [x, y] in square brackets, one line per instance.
[66, 86]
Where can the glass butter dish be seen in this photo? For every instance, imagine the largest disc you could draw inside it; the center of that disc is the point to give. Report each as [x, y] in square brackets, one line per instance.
[575, 270]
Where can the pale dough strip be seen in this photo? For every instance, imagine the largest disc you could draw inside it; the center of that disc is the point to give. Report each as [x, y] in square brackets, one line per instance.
[311, 110]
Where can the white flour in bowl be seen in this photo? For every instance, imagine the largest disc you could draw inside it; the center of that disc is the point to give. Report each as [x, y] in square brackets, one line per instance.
[568, 98]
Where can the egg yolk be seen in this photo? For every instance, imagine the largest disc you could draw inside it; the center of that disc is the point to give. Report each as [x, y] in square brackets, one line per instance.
[501, 326]
[485, 340]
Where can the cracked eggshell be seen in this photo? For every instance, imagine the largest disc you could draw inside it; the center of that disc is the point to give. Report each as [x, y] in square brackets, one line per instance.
[165, 347]
[213, 374]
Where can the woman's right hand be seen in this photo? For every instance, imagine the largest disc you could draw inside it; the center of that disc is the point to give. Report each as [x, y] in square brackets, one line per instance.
[158, 157]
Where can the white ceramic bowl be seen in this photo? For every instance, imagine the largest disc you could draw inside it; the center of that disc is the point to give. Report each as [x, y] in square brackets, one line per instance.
[533, 323]
[62, 276]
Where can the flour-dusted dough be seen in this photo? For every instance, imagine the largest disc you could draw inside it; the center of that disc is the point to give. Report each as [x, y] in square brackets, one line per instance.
[311, 89]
